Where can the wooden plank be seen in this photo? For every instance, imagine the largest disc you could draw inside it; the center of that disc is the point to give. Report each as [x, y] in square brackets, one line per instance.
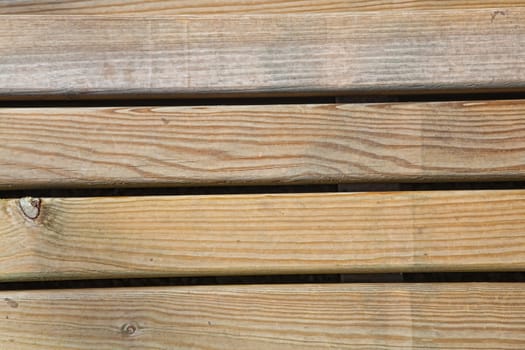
[343, 316]
[69, 238]
[190, 56]
[199, 7]
[157, 146]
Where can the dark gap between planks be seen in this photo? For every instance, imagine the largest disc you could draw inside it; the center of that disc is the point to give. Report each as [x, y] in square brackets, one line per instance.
[441, 97]
[232, 190]
[448, 277]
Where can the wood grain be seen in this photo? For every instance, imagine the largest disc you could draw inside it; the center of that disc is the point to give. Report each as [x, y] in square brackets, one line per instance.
[344, 316]
[190, 56]
[199, 7]
[158, 146]
[76, 238]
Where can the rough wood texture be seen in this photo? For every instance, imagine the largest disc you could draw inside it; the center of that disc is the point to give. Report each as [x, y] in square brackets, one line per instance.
[88, 56]
[193, 7]
[155, 146]
[262, 234]
[344, 316]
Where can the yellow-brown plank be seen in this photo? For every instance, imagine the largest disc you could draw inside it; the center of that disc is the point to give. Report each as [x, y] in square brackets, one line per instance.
[90, 56]
[199, 7]
[73, 238]
[258, 317]
[155, 146]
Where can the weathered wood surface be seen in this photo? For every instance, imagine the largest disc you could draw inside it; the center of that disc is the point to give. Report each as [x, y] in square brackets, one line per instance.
[193, 7]
[262, 234]
[157, 146]
[88, 56]
[343, 316]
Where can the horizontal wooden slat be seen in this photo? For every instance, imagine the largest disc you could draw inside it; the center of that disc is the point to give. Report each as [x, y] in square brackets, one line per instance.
[192, 7]
[344, 316]
[87, 56]
[156, 146]
[262, 234]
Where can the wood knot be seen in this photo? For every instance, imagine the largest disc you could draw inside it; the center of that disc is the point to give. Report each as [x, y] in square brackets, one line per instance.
[30, 207]
[495, 14]
[129, 329]
[11, 303]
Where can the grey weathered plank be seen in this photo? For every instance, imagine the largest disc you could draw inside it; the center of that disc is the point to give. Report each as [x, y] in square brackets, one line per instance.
[87, 56]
